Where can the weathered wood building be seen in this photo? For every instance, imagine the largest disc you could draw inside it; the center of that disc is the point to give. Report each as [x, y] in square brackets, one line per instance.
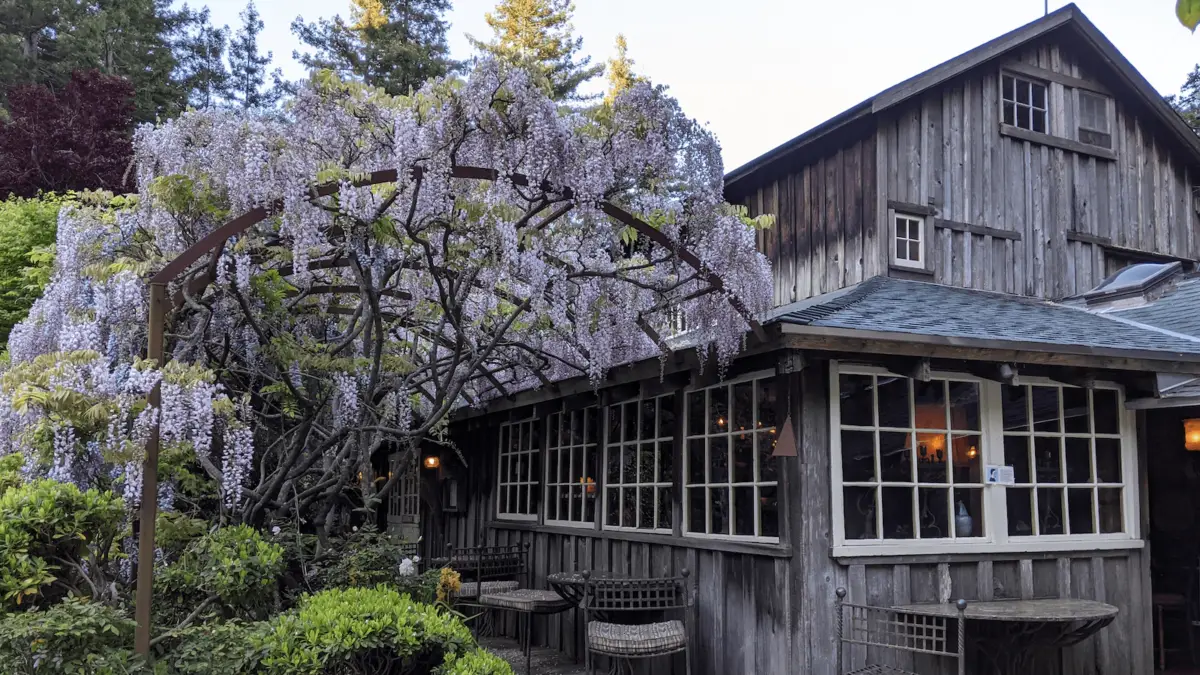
[927, 246]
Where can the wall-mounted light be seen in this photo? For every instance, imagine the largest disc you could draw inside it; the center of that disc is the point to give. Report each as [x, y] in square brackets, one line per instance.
[432, 462]
[1191, 434]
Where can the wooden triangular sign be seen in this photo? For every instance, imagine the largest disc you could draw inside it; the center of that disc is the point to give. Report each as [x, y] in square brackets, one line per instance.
[786, 445]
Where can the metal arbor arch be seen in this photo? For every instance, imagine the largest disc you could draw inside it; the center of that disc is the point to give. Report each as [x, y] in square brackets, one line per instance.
[214, 243]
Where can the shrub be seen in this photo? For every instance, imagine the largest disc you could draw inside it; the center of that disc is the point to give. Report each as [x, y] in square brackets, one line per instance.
[356, 631]
[361, 559]
[232, 567]
[56, 540]
[475, 662]
[27, 229]
[231, 648]
[74, 637]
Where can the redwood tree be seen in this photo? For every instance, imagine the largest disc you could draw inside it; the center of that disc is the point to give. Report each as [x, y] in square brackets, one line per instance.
[78, 138]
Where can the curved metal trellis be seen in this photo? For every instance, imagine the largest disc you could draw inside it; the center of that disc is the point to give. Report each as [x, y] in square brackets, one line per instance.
[214, 243]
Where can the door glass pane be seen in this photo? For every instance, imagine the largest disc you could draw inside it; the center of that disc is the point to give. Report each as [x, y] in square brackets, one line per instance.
[858, 456]
[1015, 407]
[964, 406]
[743, 510]
[1111, 519]
[1047, 459]
[1020, 511]
[895, 456]
[1104, 403]
[935, 510]
[1016, 455]
[894, 402]
[1108, 460]
[768, 499]
[858, 507]
[968, 513]
[1050, 511]
[857, 400]
[1079, 503]
[897, 513]
[1075, 410]
[1045, 409]
[1079, 460]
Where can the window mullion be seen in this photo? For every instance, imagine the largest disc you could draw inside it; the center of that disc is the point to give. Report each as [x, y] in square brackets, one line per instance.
[995, 502]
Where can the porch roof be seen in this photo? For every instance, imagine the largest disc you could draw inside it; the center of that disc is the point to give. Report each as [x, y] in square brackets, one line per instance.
[887, 308]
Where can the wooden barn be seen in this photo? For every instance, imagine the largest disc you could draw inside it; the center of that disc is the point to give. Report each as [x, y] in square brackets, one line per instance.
[957, 397]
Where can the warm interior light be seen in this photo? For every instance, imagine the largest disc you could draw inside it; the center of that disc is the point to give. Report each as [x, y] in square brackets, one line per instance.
[973, 452]
[433, 462]
[721, 421]
[1191, 434]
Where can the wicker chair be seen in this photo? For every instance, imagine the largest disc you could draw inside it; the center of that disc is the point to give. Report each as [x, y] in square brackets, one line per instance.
[884, 628]
[623, 643]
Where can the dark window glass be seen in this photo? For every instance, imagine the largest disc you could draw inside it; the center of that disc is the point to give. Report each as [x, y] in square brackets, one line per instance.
[768, 520]
[857, 404]
[1079, 503]
[1050, 511]
[894, 405]
[897, 513]
[1020, 511]
[858, 456]
[934, 515]
[858, 506]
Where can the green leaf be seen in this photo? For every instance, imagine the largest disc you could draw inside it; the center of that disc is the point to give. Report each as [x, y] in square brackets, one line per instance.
[1188, 12]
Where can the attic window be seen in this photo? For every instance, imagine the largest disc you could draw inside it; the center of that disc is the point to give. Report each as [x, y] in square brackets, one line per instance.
[1024, 103]
[1093, 120]
[908, 241]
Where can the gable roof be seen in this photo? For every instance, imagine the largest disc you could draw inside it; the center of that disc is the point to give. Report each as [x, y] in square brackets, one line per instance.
[1069, 17]
[885, 306]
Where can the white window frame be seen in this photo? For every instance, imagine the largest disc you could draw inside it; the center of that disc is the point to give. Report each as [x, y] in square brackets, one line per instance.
[923, 238]
[1016, 104]
[524, 454]
[780, 413]
[559, 451]
[663, 445]
[996, 539]
[404, 502]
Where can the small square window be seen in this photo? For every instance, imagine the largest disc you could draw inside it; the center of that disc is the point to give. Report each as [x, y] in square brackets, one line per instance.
[909, 238]
[1023, 103]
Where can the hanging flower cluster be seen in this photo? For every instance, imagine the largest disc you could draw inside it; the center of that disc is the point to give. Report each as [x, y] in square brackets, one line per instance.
[365, 306]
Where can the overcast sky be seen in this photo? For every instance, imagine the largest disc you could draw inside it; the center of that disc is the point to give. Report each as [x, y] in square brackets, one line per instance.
[759, 72]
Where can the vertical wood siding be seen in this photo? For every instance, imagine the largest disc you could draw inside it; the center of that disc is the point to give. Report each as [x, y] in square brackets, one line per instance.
[944, 149]
[825, 235]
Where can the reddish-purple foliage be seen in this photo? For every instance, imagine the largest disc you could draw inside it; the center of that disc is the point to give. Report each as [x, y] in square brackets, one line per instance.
[79, 138]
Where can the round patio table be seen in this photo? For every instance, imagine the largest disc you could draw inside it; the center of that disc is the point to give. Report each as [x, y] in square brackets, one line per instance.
[1008, 634]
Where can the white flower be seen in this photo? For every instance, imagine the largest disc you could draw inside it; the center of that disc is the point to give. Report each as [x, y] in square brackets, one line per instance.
[275, 530]
[407, 568]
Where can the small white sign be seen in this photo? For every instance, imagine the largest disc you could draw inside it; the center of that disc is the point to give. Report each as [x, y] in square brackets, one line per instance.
[1000, 475]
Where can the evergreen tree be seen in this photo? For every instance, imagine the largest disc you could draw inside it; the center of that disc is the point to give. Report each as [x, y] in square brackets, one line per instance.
[393, 44]
[1187, 101]
[537, 34]
[620, 71]
[201, 66]
[248, 68]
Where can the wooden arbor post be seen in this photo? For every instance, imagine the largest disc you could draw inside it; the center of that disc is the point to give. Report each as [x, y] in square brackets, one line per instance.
[214, 243]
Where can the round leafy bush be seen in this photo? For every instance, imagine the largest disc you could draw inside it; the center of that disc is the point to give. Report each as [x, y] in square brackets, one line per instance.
[55, 540]
[230, 648]
[231, 568]
[74, 637]
[356, 631]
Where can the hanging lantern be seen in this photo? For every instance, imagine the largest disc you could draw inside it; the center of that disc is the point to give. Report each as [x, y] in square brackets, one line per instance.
[432, 462]
[1191, 435]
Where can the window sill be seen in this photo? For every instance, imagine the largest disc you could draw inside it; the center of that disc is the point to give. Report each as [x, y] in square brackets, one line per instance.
[724, 545]
[983, 550]
[1056, 142]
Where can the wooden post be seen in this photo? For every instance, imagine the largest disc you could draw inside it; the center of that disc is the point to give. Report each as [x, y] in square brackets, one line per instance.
[149, 506]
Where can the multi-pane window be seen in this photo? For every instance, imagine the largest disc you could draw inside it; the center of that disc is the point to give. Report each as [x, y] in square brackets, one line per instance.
[517, 494]
[404, 503]
[639, 461]
[1023, 103]
[730, 477]
[1093, 119]
[910, 458]
[909, 241]
[1064, 444]
[910, 461]
[571, 459]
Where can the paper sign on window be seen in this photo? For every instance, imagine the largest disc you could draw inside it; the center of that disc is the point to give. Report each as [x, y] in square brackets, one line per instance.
[1000, 475]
